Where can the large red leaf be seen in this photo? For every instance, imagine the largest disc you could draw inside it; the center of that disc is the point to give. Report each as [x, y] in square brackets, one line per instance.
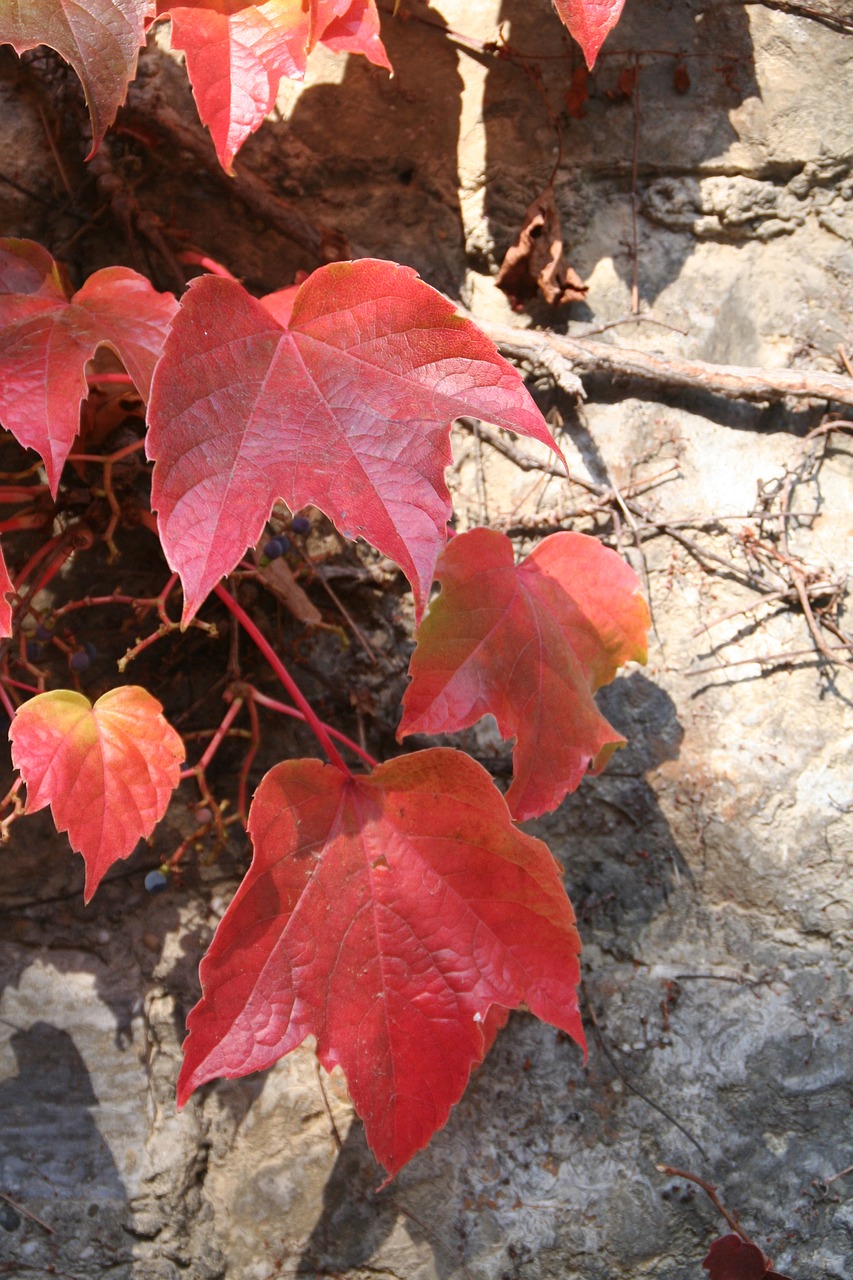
[386, 915]
[590, 22]
[99, 38]
[349, 408]
[106, 771]
[237, 54]
[47, 339]
[529, 643]
[6, 588]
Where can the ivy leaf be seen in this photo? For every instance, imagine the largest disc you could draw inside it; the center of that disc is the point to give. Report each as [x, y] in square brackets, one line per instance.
[7, 587]
[99, 38]
[46, 340]
[530, 644]
[731, 1258]
[106, 771]
[386, 915]
[349, 408]
[590, 22]
[237, 54]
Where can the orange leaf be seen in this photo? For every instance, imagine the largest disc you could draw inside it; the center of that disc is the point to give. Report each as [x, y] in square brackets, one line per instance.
[106, 771]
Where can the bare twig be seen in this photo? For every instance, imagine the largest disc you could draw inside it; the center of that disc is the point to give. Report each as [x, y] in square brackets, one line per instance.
[567, 359]
[835, 21]
[631, 1087]
[766, 659]
[20, 1209]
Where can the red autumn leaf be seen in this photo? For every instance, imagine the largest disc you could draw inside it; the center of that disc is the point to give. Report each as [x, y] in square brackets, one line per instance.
[349, 408]
[99, 38]
[386, 915]
[106, 771]
[46, 340]
[731, 1258]
[6, 588]
[590, 22]
[529, 644]
[237, 54]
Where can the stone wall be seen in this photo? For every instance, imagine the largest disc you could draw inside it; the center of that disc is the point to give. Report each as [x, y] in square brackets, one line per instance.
[710, 865]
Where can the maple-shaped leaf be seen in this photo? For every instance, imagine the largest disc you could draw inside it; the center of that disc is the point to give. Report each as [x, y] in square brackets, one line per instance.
[6, 588]
[348, 408]
[237, 54]
[99, 38]
[530, 644]
[47, 338]
[732, 1258]
[107, 771]
[590, 22]
[387, 915]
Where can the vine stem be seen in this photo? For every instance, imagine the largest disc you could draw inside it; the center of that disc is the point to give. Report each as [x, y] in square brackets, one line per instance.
[8, 704]
[264, 701]
[316, 725]
[711, 1192]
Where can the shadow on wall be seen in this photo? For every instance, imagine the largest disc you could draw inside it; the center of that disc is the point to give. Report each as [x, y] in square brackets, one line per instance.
[372, 135]
[683, 121]
[51, 1150]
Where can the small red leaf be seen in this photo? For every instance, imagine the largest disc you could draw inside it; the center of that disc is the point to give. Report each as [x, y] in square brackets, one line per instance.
[46, 341]
[106, 771]
[100, 39]
[731, 1258]
[529, 644]
[237, 54]
[6, 589]
[386, 915]
[349, 409]
[590, 22]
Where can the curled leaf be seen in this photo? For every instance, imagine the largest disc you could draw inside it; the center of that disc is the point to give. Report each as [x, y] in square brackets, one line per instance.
[535, 260]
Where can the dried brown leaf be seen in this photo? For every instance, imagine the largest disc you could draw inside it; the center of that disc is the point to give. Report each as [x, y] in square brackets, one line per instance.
[535, 262]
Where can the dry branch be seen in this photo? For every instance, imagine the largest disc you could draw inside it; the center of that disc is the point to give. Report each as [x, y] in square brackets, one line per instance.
[569, 359]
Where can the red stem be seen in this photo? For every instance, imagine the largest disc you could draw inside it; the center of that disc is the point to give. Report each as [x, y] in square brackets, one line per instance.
[264, 701]
[94, 379]
[200, 260]
[7, 702]
[316, 725]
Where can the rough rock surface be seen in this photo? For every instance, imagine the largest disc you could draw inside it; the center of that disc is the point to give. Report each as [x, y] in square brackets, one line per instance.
[710, 865]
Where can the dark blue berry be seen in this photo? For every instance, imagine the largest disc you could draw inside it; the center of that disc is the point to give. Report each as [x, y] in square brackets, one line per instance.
[300, 524]
[91, 650]
[42, 633]
[33, 651]
[276, 547]
[80, 661]
[156, 882]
